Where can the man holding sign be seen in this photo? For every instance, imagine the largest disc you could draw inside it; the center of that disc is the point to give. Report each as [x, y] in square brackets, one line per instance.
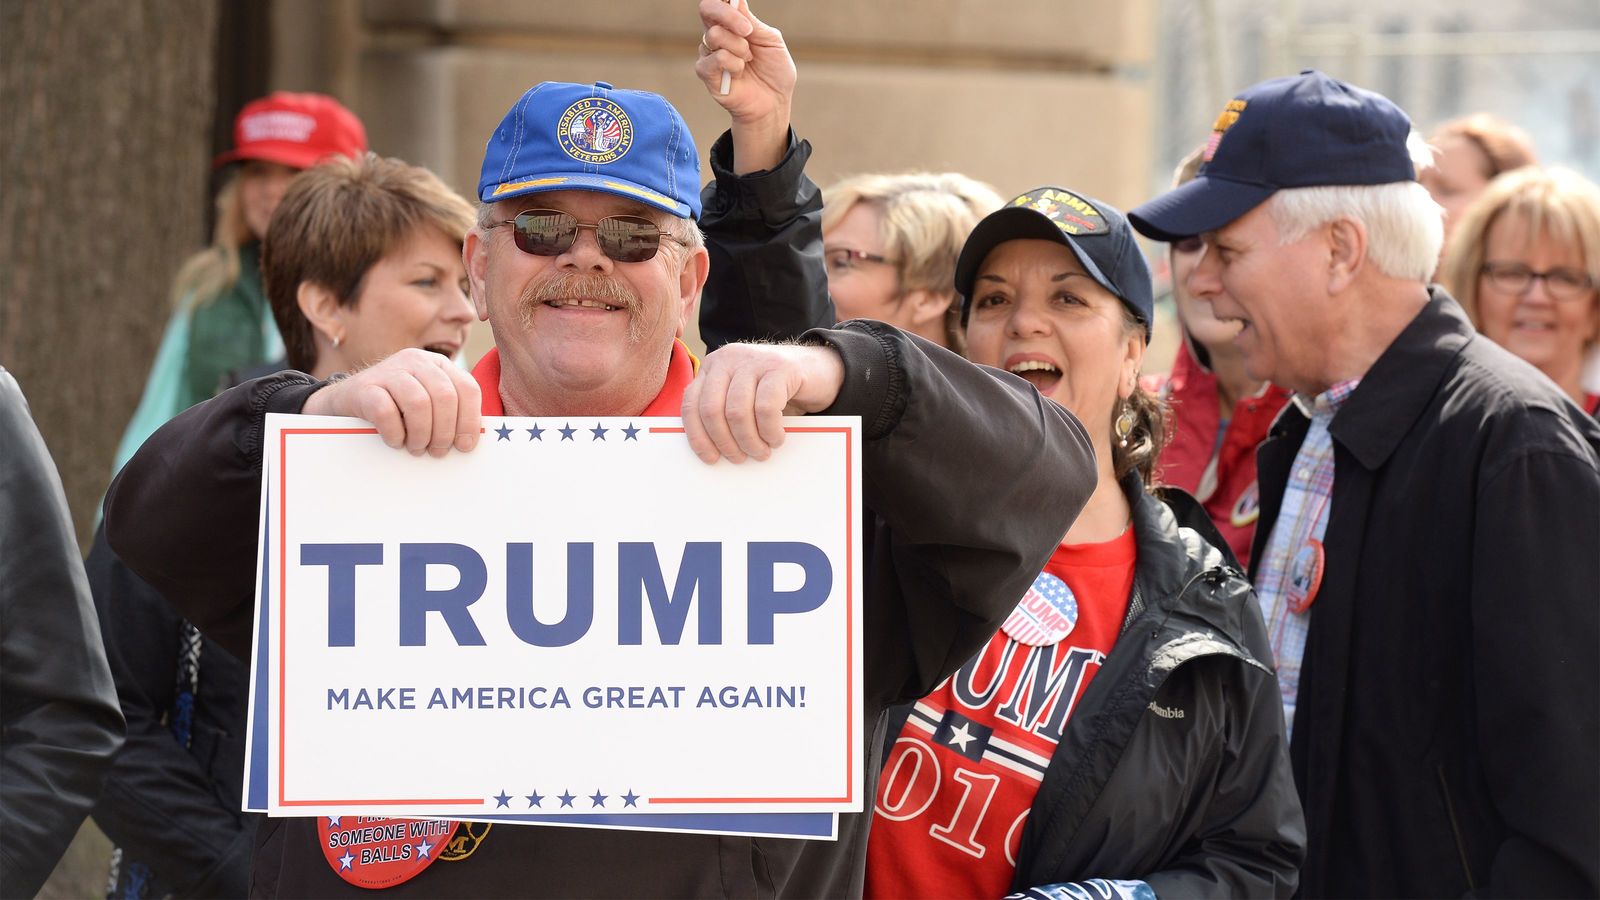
[587, 263]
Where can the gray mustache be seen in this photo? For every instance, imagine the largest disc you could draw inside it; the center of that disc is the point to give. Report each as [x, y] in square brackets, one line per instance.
[562, 285]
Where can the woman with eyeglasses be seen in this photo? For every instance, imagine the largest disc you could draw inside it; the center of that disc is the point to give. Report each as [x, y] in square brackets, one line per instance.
[1524, 262]
[890, 243]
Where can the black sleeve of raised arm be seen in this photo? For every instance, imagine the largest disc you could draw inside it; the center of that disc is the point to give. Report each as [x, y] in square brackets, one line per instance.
[970, 480]
[59, 720]
[764, 233]
[183, 513]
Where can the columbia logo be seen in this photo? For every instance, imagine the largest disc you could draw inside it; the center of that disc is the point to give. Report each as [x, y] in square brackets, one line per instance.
[1166, 712]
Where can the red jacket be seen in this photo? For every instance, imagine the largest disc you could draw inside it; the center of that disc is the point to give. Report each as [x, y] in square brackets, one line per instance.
[1229, 494]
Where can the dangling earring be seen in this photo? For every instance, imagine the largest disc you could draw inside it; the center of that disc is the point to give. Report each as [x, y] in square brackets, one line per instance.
[1124, 424]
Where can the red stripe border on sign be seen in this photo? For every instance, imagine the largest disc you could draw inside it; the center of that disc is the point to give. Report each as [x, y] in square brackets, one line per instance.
[848, 793]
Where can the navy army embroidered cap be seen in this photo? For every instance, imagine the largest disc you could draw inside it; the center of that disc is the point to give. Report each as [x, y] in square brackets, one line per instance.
[1097, 233]
[1305, 130]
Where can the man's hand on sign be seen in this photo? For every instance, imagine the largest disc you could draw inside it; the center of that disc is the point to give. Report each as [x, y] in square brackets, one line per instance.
[735, 406]
[417, 399]
[761, 88]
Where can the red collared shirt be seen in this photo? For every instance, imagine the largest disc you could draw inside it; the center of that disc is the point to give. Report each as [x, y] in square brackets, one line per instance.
[680, 371]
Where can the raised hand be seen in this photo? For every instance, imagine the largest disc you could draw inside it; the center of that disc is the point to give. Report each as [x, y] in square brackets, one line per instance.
[761, 87]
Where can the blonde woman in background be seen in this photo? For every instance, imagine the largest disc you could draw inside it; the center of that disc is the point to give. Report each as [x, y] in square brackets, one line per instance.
[1525, 264]
[891, 242]
[221, 321]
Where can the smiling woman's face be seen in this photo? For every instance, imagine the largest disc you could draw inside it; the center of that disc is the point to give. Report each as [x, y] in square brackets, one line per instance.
[1551, 331]
[1036, 313]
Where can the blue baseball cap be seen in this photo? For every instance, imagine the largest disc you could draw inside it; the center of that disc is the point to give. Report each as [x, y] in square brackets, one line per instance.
[1096, 233]
[1306, 130]
[566, 137]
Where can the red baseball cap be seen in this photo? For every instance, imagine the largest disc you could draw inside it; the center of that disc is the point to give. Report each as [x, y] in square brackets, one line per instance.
[295, 130]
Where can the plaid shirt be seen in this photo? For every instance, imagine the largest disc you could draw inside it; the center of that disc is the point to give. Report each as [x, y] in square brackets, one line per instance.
[1307, 501]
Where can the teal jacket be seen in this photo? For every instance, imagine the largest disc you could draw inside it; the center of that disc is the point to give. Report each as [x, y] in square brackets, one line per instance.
[201, 345]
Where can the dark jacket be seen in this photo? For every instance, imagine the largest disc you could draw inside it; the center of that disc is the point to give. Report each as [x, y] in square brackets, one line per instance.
[172, 797]
[764, 232]
[1198, 799]
[1445, 735]
[59, 722]
[943, 568]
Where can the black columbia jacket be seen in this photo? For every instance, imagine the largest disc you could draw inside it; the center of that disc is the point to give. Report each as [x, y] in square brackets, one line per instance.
[1447, 729]
[1173, 768]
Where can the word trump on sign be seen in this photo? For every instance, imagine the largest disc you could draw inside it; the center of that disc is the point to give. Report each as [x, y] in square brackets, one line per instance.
[573, 607]
[639, 575]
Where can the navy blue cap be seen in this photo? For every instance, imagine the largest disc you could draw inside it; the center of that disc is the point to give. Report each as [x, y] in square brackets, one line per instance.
[1096, 232]
[580, 137]
[1306, 130]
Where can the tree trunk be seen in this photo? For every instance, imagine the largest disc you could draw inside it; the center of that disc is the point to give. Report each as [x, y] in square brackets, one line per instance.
[103, 176]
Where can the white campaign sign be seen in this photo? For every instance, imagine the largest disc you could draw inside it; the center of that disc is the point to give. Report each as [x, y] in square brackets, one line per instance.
[577, 617]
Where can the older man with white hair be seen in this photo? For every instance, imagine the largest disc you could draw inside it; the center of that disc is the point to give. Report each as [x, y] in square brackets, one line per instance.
[1428, 552]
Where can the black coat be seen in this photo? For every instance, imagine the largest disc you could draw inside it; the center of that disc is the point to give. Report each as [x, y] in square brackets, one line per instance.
[943, 569]
[1447, 728]
[59, 722]
[1197, 800]
[172, 807]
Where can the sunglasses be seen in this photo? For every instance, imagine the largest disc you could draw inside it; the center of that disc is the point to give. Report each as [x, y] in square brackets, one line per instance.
[549, 232]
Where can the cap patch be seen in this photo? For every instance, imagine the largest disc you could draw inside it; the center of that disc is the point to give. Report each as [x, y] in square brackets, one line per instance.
[278, 125]
[1230, 115]
[595, 130]
[1071, 213]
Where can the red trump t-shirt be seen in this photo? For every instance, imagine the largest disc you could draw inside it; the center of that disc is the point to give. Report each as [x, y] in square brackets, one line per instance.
[957, 787]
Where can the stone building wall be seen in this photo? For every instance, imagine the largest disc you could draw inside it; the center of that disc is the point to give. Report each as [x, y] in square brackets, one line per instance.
[1019, 93]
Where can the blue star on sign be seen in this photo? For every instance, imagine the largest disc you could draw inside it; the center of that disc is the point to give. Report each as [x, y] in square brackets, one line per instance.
[597, 798]
[535, 433]
[502, 799]
[535, 799]
[504, 431]
[630, 799]
[598, 432]
[630, 433]
[567, 431]
[566, 798]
